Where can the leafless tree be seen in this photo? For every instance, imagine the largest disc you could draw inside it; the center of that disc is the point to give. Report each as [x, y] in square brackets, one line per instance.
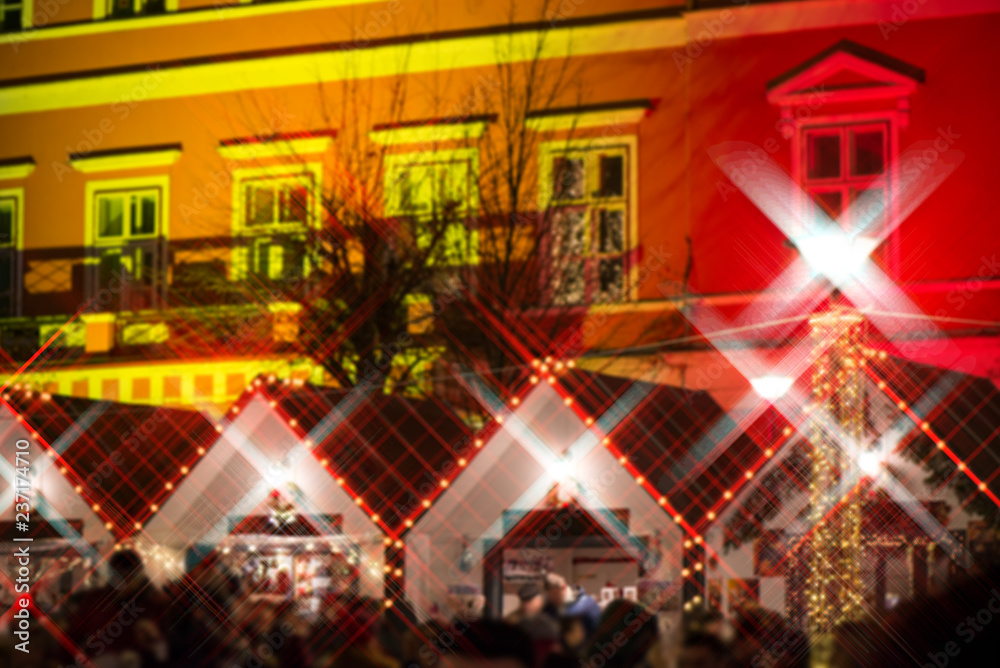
[407, 269]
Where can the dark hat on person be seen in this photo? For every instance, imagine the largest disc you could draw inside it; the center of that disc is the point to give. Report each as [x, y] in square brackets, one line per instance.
[528, 591]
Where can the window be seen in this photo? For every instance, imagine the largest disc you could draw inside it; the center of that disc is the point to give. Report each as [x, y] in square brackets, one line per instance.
[844, 165]
[10, 217]
[126, 231]
[275, 210]
[439, 191]
[589, 217]
[844, 160]
[130, 214]
[272, 202]
[10, 15]
[124, 8]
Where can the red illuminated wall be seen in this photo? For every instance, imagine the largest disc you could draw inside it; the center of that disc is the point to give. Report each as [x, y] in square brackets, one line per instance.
[737, 249]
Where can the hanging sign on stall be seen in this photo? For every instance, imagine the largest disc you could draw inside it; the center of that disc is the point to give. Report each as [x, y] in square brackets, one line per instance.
[517, 568]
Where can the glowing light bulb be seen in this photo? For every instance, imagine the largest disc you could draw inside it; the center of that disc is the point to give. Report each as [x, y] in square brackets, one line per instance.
[561, 470]
[771, 387]
[870, 463]
[278, 475]
[834, 254]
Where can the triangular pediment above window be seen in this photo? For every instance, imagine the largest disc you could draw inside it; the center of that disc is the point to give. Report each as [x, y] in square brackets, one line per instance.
[845, 72]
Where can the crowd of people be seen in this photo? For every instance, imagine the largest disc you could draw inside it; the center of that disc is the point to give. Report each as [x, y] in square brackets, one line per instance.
[205, 621]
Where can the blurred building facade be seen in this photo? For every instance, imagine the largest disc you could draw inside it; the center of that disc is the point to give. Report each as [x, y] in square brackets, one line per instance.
[147, 145]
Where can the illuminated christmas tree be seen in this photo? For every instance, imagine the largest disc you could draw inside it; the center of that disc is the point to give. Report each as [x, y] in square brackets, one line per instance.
[833, 588]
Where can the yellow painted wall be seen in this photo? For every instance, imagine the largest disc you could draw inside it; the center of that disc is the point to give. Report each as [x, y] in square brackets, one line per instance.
[199, 207]
[719, 96]
[49, 13]
[204, 28]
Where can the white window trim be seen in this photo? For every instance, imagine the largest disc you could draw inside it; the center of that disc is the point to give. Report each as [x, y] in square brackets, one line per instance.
[27, 19]
[551, 149]
[394, 160]
[118, 162]
[587, 119]
[101, 8]
[893, 120]
[17, 229]
[238, 263]
[470, 210]
[276, 149]
[16, 172]
[17, 225]
[428, 133]
[126, 236]
[93, 188]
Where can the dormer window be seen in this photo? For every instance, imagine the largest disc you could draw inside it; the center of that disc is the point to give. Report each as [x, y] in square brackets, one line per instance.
[842, 111]
[842, 163]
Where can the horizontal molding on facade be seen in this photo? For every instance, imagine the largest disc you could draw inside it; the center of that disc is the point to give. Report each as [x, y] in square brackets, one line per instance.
[738, 18]
[16, 168]
[611, 114]
[328, 63]
[251, 149]
[429, 131]
[119, 160]
[237, 9]
[734, 19]
[199, 384]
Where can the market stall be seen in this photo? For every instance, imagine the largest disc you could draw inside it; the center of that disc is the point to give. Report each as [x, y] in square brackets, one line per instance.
[546, 491]
[259, 498]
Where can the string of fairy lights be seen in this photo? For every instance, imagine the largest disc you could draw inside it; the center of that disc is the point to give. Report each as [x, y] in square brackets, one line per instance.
[834, 585]
[837, 377]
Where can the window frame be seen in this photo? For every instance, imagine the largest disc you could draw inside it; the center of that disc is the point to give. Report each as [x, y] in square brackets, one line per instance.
[16, 248]
[93, 243]
[105, 9]
[243, 233]
[126, 235]
[891, 121]
[469, 211]
[592, 202]
[24, 9]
